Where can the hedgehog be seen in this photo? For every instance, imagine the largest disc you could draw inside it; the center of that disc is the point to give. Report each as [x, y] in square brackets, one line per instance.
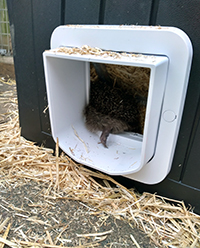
[111, 110]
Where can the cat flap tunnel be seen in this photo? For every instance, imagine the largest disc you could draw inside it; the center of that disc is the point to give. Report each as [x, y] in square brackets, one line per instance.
[81, 63]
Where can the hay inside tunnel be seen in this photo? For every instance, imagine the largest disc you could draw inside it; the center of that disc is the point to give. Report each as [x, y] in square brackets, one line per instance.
[167, 224]
[130, 79]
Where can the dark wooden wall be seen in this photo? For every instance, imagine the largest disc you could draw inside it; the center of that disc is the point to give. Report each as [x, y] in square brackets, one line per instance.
[32, 22]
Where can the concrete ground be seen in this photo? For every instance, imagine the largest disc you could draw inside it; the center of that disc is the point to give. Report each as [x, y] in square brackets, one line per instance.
[7, 67]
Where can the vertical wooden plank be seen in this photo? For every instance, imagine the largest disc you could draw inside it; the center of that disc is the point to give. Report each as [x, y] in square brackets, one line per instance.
[31, 25]
[186, 16]
[82, 11]
[191, 174]
[20, 15]
[49, 14]
[127, 12]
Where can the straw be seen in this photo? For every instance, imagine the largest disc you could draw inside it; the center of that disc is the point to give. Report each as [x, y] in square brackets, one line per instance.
[20, 160]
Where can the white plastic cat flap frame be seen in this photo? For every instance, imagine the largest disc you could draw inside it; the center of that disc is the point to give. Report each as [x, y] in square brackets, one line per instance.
[167, 51]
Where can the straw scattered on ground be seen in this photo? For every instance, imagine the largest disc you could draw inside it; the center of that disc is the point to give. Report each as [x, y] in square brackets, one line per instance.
[167, 224]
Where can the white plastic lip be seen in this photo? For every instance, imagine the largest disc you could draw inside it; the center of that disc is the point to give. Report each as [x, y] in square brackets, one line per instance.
[170, 42]
[141, 59]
